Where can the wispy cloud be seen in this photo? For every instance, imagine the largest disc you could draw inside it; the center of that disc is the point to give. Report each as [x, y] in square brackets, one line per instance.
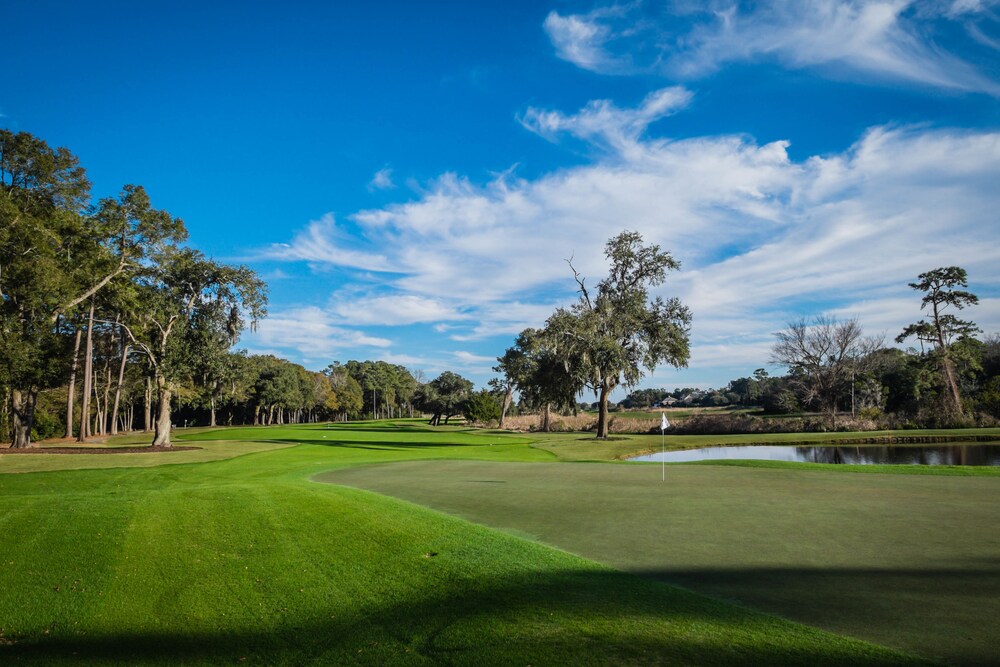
[762, 238]
[311, 333]
[582, 39]
[601, 121]
[393, 310]
[323, 242]
[886, 39]
[382, 180]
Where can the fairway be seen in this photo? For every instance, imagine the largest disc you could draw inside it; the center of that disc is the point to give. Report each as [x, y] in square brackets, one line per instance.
[902, 560]
[246, 560]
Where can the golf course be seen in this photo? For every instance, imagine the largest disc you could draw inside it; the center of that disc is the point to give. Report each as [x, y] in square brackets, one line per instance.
[395, 543]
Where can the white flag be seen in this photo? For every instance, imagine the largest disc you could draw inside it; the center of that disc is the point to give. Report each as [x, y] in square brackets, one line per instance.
[664, 425]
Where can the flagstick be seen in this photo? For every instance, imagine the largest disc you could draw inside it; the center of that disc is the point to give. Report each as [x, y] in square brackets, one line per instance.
[663, 458]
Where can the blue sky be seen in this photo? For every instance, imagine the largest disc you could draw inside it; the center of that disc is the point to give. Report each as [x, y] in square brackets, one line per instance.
[409, 177]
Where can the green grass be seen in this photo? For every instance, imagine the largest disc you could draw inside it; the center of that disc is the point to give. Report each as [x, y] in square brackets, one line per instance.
[214, 561]
[210, 451]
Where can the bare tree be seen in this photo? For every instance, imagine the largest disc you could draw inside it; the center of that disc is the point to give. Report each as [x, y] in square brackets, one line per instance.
[823, 358]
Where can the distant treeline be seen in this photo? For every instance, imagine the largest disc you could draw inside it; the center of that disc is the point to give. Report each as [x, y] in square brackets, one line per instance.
[110, 322]
[897, 387]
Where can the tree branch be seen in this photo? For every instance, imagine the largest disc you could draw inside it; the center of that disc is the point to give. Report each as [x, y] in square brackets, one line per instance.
[580, 281]
[135, 341]
[89, 293]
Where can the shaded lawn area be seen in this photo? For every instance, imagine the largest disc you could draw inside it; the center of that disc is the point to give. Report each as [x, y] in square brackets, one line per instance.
[209, 451]
[246, 560]
[909, 561]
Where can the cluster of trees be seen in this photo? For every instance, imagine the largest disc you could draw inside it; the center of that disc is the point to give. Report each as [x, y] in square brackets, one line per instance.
[108, 318]
[951, 378]
[682, 397]
[264, 390]
[88, 290]
[109, 322]
[606, 339]
[947, 381]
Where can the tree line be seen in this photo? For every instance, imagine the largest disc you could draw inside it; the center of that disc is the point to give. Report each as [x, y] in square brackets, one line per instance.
[615, 332]
[110, 322]
[90, 292]
[948, 376]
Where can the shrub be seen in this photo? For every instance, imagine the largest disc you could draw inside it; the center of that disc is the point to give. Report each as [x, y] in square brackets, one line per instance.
[47, 425]
[482, 408]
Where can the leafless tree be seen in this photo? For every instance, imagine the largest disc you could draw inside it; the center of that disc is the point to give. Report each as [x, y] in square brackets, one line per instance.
[823, 358]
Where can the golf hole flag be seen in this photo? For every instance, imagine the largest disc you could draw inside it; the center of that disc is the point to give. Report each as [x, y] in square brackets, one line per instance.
[664, 424]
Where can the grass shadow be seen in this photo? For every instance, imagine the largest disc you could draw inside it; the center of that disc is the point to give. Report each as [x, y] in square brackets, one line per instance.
[946, 614]
[567, 617]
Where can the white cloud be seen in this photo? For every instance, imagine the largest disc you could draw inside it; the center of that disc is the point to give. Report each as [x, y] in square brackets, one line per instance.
[581, 39]
[382, 180]
[393, 310]
[763, 239]
[469, 357]
[958, 8]
[323, 242]
[602, 121]
[506, 318]
[881, 38]
[311, 333]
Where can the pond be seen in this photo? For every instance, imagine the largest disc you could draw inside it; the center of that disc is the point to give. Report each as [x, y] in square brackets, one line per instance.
[955, 454]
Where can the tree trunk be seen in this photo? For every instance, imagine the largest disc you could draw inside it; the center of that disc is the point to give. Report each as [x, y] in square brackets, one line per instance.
[954, 402]
[602, 412]
[71, 394]
[211, 421]
[547, 418]
[96, 429]
[147, 414]
[162, 435]
[508, 398]
[118, 388]
[88, 369]
[22, 412]
[107, 416]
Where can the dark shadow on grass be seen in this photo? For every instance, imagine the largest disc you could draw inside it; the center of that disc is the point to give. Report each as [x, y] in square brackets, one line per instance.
[947, 614]
[372, 444]
[542, 618]
[379, 428]
[354, 427]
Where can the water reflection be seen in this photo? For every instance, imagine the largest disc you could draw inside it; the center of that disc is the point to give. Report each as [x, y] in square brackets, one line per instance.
[931, 455]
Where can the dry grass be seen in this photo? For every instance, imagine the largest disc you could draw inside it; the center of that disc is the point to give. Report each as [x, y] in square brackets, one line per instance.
[557, 423]
[581, 422]
[697, 424]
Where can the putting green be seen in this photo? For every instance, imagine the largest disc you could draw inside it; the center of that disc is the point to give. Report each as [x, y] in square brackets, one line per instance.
[911, 562]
